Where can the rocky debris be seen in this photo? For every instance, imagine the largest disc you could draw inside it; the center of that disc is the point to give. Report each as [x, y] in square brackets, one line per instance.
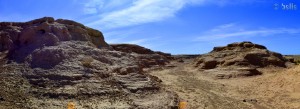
[147, 58]
[146, 61]
[290, 59]
[134, 82]
[62, 60]
[250, 100]
[226, 73]
[170, 66]
[180, 60]
[243, 54]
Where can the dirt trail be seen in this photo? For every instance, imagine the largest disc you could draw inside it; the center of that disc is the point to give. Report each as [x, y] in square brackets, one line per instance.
[204, 92]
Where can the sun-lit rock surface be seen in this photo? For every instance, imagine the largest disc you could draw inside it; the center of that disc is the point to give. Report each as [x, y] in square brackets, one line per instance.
[47, 63]
[239, 59]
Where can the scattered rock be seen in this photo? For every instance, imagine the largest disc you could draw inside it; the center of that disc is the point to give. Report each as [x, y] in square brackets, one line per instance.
[170, 66]
[209, 64]
[180, 60]
[250, 100]
[291, 59]
[226, 73]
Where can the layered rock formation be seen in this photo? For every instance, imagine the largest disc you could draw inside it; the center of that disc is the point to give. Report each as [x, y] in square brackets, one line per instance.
[147, 58]
[61, 60]
[21, 38]
[245, 55]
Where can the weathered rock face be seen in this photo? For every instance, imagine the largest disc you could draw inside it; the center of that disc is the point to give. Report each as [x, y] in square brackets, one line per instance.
[146, 57]
[243, 54]
[16, 36]
[240, 54]
[61, 60]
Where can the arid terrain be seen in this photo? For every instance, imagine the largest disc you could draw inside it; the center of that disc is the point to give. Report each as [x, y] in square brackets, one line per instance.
[47, 63]
[276, 88]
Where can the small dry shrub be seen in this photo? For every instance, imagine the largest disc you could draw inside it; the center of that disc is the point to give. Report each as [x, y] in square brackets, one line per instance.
[297, 62]
[87, 62]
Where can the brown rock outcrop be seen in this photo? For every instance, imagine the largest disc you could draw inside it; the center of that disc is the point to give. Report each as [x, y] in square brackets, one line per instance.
[243, 54]
[132, 48]
[240, 54]
[62, 60]
[17, 36]
[146, 57]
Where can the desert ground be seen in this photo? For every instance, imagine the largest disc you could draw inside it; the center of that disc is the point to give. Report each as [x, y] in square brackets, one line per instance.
[276, 88]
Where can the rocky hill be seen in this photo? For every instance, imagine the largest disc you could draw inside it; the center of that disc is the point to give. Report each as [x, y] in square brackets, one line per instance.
[147, 58]
[48, 63]
[239, 59]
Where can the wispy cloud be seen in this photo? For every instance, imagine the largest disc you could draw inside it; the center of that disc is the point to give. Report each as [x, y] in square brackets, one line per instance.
[142, 11]
[103, 6]
[122, 13]
[233, 31]
[139, 41]
[133, 41]
[129, 36]
[145, 42]
[92, 6]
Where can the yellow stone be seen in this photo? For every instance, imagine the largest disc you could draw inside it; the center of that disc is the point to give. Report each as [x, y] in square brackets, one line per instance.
[182, 105]
[71, 105]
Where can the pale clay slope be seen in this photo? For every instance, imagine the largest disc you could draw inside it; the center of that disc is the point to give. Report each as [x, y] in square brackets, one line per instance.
[276, 88]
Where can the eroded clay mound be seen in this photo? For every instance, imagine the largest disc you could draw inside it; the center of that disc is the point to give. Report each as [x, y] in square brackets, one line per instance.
[22, 38]
[61, 60]
[243, 54]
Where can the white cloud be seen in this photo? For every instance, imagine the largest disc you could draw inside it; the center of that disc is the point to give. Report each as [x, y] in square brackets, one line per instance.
[122, 13]
[92, 6]
[127, 36]
[132, 41]
[138, 12]
[139, 41]
[233, 31]
[100, 6]
[145, 42]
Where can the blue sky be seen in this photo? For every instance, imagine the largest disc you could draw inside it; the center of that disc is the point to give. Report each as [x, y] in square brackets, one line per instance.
[174, 26]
